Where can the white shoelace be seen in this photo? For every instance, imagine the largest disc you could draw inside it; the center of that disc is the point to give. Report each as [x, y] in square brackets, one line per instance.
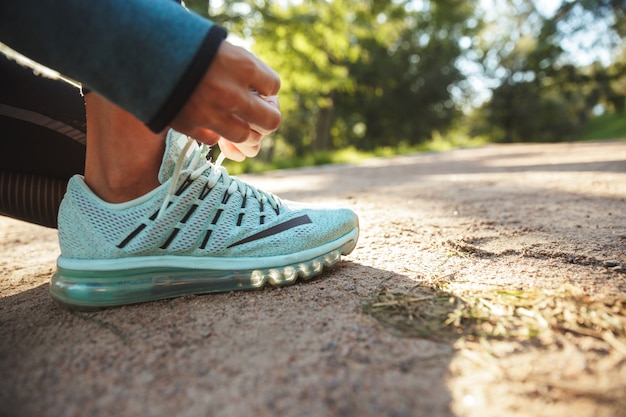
[200, 164]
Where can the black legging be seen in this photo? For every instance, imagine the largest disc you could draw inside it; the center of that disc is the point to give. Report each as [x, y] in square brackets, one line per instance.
[42, 142]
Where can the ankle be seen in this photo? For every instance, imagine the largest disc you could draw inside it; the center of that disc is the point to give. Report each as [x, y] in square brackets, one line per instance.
[119, 189]
[123, 155]
[129, 175]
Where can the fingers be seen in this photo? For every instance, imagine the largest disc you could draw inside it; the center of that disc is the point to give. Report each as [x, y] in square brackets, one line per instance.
[237, 129]
[239, 152]
[273, 102]
[206, 136]
[252, 81]
[235, 99]
[252, 145]
[268, 82]
[261, 114]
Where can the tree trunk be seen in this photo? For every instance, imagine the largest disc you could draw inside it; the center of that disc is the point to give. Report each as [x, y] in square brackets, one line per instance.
[322, 128]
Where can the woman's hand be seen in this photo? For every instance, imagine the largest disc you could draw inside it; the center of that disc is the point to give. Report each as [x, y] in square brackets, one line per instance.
[250, 147]
[235, 102]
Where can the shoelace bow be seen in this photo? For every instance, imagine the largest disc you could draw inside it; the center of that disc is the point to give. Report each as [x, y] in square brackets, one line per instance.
[200, 164]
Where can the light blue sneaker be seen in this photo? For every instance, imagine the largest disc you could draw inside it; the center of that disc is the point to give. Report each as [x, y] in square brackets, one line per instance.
[201, 231]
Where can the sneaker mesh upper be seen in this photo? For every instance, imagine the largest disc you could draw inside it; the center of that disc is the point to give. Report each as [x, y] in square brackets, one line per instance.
[199, 221]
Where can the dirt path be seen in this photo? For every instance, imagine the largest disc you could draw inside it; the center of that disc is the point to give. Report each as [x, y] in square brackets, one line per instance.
[517, 220]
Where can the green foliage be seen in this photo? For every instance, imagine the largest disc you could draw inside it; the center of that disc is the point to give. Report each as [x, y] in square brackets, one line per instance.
[284, 159]
[402, 82]
[532, 111]
[391, 75]
[606, 126]
[544, 95]
[357, 73]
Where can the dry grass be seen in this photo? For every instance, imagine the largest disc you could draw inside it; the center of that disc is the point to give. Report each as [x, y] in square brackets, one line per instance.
[553, 345]
[431, 312]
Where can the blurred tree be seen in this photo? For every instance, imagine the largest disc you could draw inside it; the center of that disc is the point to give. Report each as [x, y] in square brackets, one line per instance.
[402, 82]
[361, 73]
[390, 72]
[548, 88]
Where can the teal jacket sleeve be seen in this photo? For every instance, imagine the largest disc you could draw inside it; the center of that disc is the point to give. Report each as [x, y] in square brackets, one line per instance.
[146, 56]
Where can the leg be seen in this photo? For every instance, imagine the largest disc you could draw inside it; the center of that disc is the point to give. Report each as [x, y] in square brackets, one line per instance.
[42, 142]
[123, 155]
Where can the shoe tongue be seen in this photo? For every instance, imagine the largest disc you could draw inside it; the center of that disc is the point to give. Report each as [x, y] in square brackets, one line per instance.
[174, 144]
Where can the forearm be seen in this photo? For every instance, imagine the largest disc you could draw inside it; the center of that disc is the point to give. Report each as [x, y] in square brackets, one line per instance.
[146, 56]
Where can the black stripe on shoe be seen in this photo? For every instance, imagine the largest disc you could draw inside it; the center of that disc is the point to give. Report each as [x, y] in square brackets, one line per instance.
[189, 213]
[217, 216]
[206, 239]
[279, 228]
[171, 238]
[205, 191]
[132, 235]
[184, 185]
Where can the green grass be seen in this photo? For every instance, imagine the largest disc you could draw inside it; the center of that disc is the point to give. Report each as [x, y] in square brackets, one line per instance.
[607, 126]
[351, 155]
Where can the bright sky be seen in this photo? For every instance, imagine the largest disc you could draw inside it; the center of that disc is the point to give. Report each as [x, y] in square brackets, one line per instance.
[548, 7]
[582, 47]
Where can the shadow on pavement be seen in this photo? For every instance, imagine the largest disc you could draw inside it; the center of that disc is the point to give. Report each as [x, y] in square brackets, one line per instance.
[303, 350]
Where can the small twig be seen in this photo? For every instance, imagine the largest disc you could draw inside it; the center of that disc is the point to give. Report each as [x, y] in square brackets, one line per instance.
[610, 338]
[402, 301]
[112, 328]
